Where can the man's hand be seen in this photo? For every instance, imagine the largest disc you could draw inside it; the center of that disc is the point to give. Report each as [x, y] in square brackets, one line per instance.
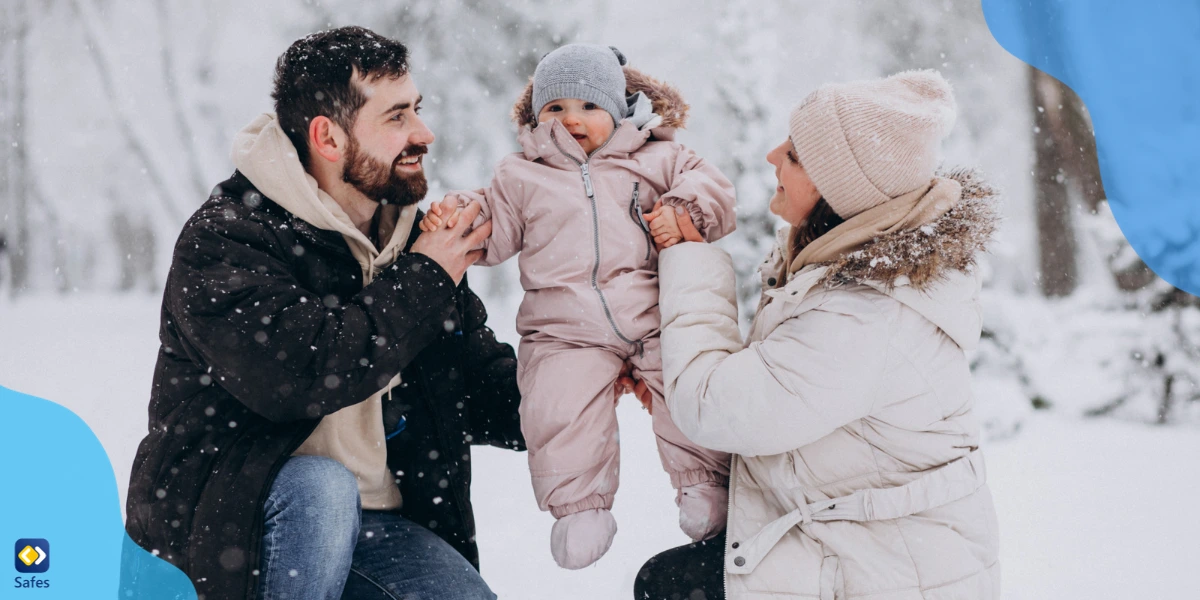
[451, 247]
[627, 384]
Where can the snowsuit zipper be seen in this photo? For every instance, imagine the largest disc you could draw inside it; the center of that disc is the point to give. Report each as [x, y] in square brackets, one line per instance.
[585, 172]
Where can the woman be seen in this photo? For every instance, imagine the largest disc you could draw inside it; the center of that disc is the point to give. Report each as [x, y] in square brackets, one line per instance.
[856, 468]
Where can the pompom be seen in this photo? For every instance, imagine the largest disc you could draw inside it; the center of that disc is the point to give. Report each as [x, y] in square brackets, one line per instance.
[620, 56]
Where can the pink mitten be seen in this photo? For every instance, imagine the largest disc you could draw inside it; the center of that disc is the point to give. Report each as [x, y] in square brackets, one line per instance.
[703, 509]
[580, 539]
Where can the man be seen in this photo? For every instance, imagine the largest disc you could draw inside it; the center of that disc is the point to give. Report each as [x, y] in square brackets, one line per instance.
[324, 367]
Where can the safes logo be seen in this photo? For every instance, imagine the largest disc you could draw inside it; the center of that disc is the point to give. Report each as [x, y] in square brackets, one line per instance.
[32, 555]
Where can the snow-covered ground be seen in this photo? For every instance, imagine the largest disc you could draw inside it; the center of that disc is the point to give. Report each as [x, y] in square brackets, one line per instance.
[1088, 508]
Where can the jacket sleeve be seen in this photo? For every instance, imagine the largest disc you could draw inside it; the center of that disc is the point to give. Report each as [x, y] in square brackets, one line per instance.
[702, 190]
[502, 206]
[816, 372]
[280, 349]
[493, 399]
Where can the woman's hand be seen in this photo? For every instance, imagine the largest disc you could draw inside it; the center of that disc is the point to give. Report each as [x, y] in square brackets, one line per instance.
[626, 384]
[664, 227]
[669, 226]
[688, 228]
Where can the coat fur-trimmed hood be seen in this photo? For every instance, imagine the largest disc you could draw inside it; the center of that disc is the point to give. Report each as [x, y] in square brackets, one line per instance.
[930, 253]
[667, 100]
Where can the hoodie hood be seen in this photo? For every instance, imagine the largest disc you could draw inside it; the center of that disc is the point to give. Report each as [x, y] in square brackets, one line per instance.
[930, 268]
[264, 154]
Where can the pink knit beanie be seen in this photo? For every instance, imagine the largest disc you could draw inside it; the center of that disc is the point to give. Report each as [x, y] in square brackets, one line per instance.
[866, 142]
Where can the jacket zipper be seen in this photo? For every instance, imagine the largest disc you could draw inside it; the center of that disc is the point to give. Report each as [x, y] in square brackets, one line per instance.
[446, 444]
[635, 213]
[585, 172]
[728, 520]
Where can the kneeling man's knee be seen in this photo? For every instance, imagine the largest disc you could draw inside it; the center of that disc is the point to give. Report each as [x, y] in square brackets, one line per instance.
[319, 489]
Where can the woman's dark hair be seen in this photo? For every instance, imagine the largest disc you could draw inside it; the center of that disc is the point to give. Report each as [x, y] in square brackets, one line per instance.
[820, 221]
[314, 78]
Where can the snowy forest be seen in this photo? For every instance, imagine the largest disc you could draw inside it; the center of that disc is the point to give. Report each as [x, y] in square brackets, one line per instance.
[116, 118]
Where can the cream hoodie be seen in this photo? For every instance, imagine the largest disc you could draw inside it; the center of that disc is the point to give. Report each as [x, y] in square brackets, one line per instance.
[353, 436]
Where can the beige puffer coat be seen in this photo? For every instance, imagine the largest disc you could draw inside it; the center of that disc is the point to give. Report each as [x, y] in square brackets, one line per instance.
[856, 470]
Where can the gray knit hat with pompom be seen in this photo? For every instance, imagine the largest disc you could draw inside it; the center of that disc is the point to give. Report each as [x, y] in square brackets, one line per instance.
[589, 72]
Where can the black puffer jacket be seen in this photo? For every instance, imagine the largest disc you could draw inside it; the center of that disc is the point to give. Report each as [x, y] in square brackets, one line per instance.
[267, 327]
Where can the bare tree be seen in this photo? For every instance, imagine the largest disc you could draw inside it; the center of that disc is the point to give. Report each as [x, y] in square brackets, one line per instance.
[16, 174]
[127, 123]
[6, 131]
[179, 110]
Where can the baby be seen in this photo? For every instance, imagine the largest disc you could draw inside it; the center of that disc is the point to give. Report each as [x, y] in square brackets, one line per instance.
[598, 159]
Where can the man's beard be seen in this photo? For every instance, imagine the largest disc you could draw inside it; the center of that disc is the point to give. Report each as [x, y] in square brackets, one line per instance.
[381, 182]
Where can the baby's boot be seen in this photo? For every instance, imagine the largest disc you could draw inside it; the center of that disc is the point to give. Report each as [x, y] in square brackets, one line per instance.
[702, 509]
[580, 539]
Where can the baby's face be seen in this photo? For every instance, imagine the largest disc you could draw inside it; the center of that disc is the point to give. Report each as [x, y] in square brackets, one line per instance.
[589, 124]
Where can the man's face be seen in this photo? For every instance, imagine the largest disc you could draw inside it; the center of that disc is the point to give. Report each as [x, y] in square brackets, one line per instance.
[385, 148]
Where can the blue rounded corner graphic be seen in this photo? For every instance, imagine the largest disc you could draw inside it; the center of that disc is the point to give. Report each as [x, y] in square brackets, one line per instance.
[1136, 65]
[60, 512]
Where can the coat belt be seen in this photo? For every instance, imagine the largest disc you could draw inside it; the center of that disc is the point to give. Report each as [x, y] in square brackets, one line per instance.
[951, 482]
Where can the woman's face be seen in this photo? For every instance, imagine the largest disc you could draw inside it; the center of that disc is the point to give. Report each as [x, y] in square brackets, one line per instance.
[796, 195]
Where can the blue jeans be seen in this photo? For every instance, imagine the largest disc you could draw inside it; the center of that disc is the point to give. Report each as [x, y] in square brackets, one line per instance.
[319, 544]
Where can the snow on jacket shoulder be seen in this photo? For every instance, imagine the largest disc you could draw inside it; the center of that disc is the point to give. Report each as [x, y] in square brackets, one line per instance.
[853, 381]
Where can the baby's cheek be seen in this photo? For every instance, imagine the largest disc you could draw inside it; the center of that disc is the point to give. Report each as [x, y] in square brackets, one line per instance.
[601, 129]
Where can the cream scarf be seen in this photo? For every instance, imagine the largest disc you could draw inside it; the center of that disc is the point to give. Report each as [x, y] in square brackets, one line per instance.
[914, 209]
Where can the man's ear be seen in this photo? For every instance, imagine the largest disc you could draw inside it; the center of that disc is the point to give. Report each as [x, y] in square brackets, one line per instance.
[326, 139]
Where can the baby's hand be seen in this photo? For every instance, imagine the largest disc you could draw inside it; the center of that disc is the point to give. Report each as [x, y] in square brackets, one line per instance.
[664, 226]
[448, 207]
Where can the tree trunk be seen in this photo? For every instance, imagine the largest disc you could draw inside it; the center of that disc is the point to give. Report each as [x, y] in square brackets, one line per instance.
[1070, 130]
[6, 117]
[1056, 233]
[17, 239]
[178, 108]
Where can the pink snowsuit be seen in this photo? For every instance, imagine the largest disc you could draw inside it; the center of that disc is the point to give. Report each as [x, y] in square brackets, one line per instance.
[589, 270]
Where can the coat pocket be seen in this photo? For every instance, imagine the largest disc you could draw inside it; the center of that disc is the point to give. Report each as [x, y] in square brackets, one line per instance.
[635, 213]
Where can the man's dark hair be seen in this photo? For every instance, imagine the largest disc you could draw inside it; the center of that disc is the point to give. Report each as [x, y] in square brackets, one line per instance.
[314, 78]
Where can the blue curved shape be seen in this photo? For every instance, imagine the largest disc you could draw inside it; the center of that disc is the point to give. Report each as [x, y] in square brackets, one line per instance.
[1136, 65]
[59, 486]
